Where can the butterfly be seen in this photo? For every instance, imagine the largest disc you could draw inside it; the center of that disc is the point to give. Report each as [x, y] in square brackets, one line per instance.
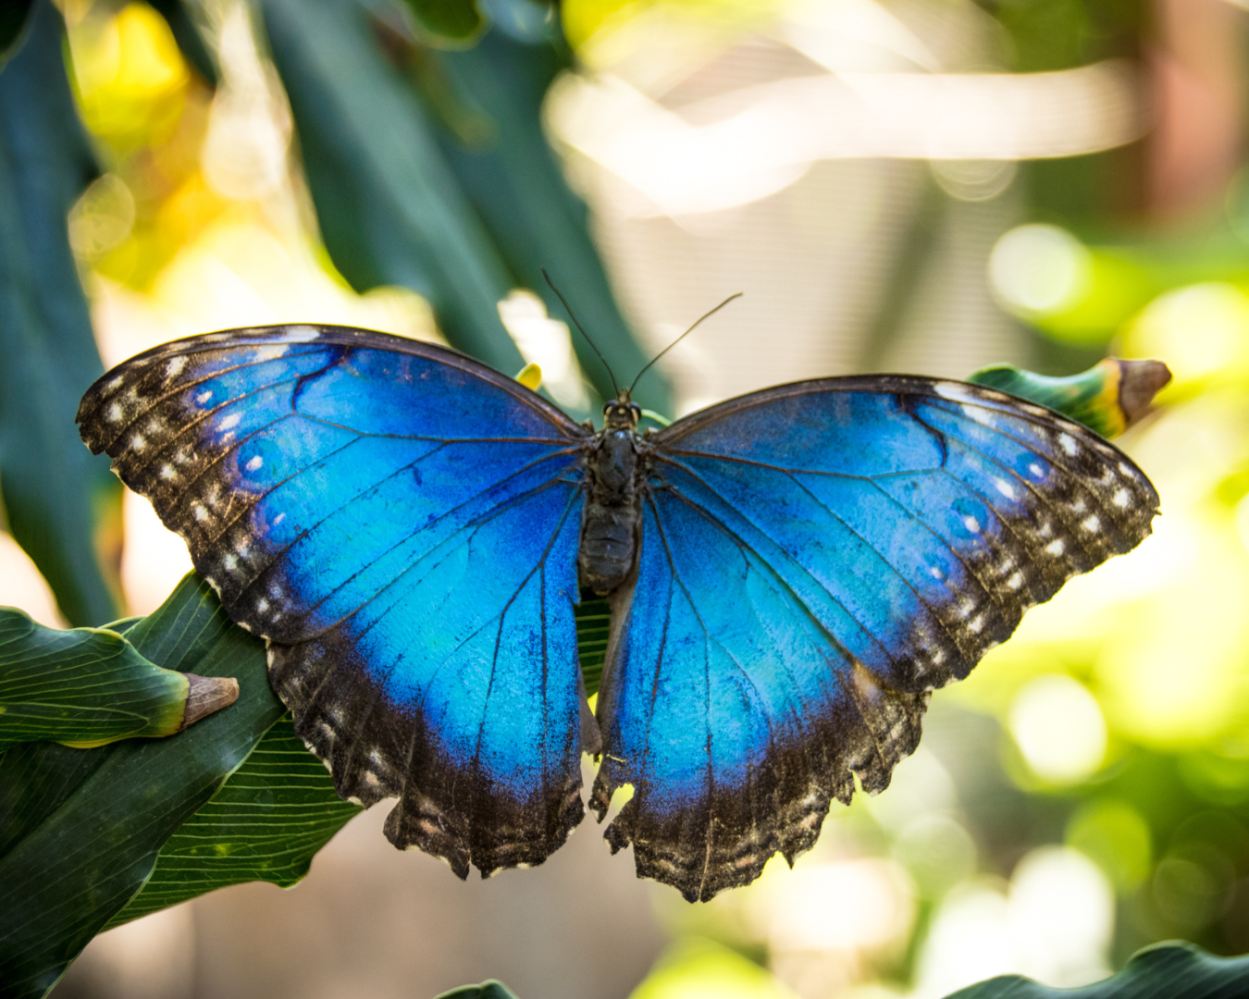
[790, 574]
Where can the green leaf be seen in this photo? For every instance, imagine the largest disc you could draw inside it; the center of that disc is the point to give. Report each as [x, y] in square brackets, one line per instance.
[80, 830]
[83, 686]
[187, 25]
[273, 814]
[14, 17]
[518, 188]
[486, 990]
[1107, 398]
[593, 618]
[62, 504]
[456, 22]
[391, 211]
[1165, 971]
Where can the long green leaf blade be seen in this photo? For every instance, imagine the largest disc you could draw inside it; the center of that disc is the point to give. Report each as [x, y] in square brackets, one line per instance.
[13, 20]
[518, 188]
[265, 824]
[186, 22]
[81, 686]
[60, 500]
[390, 209]
[81, 829]
[1166, 971]
[452, 22]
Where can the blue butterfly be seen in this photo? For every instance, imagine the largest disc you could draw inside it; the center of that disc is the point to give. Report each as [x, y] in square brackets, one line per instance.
[790, 574]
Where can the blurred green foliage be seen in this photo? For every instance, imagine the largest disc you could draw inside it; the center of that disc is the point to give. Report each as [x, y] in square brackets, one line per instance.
[1045, 35]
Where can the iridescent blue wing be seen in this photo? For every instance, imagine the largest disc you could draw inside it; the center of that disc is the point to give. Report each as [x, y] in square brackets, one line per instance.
[401, 523]
[815, 559]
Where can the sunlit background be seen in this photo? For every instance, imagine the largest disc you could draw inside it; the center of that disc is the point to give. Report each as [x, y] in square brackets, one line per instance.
[917, 185]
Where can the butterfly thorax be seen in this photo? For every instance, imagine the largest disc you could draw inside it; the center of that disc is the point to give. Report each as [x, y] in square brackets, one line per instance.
[613, 508]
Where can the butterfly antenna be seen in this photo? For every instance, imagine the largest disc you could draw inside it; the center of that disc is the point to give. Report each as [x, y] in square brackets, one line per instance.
[568, 309]
[682, 337]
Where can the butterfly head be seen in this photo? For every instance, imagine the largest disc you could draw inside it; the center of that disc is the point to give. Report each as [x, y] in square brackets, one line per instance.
[621, 413]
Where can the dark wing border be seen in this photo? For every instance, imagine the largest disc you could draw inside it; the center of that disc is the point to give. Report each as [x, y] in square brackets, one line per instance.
[289, 334]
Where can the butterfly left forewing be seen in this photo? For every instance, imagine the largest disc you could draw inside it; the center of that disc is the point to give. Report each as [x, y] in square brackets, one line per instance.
[871, 538]
[401, 523]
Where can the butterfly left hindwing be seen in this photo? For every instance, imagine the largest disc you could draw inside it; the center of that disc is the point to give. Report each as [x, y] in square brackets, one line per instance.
[401, 523]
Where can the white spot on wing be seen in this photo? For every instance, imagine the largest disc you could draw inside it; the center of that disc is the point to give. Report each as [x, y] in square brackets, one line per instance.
[972, 524]
[1056, 547]
[1122, 498]
[955, 391]
[204, 396]
[254, 464]
[971, 407]
[1005, 488]
[270, 352]
[297, 334]
[114, 412]
[229, 422]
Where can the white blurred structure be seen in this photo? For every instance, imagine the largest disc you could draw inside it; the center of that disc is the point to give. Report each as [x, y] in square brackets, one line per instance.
[1052, 923]
[849, 167]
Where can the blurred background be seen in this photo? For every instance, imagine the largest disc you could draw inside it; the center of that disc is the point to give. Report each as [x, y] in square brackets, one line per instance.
[913, 185]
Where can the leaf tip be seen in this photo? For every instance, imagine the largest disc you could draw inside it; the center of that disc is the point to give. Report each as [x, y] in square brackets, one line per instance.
[206, 695]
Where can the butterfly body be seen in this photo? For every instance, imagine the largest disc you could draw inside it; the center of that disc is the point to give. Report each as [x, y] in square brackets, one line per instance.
[615, 478]
[790, 574]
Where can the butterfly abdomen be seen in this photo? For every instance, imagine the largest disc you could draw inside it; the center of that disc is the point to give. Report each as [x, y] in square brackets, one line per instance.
[612, 513]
